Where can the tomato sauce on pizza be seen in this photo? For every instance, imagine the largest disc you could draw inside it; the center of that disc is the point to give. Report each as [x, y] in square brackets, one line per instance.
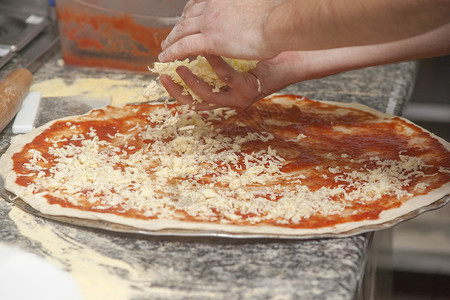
[287, 161]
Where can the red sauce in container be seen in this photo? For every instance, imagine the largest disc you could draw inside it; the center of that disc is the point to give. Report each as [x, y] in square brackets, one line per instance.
[116, 41]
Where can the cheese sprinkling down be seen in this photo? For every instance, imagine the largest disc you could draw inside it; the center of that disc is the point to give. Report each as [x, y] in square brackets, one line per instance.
[154, 91]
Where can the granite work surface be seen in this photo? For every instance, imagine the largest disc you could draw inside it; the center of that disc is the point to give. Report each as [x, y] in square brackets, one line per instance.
[108, 265]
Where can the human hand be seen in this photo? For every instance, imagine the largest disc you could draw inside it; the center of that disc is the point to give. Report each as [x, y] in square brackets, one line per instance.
[242, 89]
[294, 66]
[219, 27]
[260, 29]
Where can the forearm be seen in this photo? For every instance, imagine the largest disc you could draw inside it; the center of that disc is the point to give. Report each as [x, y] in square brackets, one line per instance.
[294, 66]
[323, 24]
[321, 63]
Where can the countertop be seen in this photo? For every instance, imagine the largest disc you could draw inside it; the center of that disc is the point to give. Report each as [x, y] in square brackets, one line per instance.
[109, 265]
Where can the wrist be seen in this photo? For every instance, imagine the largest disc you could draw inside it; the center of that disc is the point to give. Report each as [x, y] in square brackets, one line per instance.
[275, 29]
[280, 71]
[294, 25]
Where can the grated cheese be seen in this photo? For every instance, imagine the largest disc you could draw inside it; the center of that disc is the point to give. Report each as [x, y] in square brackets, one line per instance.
[202, 69]
[161, 179]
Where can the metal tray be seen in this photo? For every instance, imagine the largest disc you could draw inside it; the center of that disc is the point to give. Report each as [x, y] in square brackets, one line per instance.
[114, 227]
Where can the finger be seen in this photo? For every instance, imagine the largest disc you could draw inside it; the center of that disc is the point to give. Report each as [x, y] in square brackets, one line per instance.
[247, 84]
[183, 28]
[205, 91]
[198, 86]
[192, 3]
[194, 10]
[194, 44]
[224, 71]
[188, 23]
[175, 90]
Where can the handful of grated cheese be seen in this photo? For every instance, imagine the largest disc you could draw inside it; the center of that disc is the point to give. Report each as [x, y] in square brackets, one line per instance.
[202, 69]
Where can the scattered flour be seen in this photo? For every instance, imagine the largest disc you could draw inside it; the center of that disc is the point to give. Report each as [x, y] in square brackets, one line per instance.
[119, 91]
[91, 270]
[121, 275]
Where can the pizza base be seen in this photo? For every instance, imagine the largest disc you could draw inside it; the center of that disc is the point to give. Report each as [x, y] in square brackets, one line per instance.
[40, 203]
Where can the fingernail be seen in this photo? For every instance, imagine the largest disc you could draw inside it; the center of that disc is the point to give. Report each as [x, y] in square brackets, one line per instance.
[161, 56]
[163, 44]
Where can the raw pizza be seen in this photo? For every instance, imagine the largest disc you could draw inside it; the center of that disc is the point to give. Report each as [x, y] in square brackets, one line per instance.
[286, 166]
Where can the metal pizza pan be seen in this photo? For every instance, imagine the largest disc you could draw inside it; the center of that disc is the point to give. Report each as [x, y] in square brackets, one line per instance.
[119, 228]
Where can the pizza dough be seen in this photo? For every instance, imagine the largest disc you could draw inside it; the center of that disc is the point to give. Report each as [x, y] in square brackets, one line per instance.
[287, 166]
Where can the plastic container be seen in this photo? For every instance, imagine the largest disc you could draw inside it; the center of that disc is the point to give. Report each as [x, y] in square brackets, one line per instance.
[115, 34]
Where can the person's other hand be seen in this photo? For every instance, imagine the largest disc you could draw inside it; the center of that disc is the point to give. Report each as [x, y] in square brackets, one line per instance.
[222, 28]
[260, 29]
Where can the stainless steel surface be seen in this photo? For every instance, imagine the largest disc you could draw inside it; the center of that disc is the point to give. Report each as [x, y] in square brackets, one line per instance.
[17, 33]
[21, 21]
[44, 47]
[6, 54]
[21, 8]
[15, 85]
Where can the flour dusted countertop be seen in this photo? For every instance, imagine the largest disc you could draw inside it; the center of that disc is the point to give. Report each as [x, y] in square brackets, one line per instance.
[109, 265]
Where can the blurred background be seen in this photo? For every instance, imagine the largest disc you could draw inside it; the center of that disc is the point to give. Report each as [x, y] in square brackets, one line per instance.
[421, 247]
